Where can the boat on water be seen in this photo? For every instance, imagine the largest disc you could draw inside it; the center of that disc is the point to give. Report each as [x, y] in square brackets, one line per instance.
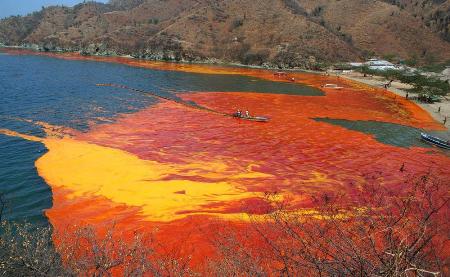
[280, 74]
[255, 118]
[251, 118]
[435, 141]
[332, 86]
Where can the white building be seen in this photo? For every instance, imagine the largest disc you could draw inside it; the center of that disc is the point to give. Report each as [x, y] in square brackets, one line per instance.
[382, 65]
[376, 64]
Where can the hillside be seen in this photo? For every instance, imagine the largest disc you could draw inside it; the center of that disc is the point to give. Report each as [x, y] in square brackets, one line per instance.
[435, 14]
[286, 33]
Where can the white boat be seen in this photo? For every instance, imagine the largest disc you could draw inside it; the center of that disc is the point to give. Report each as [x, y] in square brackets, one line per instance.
[332, 86]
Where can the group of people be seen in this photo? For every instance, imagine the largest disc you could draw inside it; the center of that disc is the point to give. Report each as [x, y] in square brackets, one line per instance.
[240, 114]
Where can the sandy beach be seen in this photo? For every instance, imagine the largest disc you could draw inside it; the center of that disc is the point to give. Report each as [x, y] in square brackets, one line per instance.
[439, 110]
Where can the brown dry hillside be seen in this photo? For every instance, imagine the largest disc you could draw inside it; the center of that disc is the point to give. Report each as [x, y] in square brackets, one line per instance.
[299, 33]
[435, 14]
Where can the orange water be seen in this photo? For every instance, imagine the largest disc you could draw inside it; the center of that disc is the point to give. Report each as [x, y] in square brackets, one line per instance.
[181, 169]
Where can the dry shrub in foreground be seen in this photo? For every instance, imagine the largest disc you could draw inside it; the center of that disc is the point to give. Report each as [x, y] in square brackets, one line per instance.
[87, 252]
[396, 232]
[27, 250]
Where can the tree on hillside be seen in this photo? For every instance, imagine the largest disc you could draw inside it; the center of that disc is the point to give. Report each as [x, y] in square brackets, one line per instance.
[426, 87]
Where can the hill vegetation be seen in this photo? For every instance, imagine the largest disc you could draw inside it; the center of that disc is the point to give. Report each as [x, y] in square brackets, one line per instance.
[285, 33]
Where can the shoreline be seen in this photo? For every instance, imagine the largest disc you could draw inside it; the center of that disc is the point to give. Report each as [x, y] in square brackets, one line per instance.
[206, 61]
[399, 89]
[372, 81]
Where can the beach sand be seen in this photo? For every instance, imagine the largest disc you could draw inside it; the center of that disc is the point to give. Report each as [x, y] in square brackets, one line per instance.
[439, 110]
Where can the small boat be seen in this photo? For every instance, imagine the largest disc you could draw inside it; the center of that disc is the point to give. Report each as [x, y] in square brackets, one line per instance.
[332, 86]
[255, 118]
[280, 74]
[251, 118]
[435, 141]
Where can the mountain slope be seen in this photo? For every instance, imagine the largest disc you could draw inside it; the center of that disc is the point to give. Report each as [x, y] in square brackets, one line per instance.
[435, 14]
[283, 32]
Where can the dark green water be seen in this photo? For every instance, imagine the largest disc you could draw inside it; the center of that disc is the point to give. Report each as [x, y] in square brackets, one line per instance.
[387, 133]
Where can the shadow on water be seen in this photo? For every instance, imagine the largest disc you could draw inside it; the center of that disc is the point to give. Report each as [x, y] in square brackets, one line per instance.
[191, 82]
[387, 133]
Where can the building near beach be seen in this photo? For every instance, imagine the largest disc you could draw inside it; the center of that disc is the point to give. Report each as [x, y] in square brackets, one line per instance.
[382, 65]
[376, 64]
